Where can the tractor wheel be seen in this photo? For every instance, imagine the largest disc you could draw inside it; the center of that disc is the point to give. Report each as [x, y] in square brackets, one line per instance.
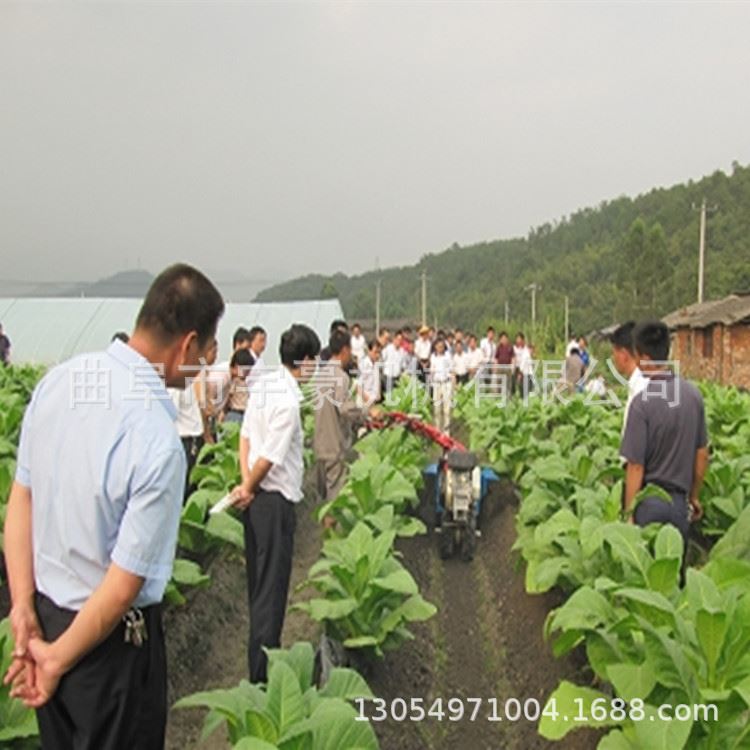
[468, 541]
[445, 543]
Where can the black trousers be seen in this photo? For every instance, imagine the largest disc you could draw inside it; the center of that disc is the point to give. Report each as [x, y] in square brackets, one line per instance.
[192, 446]
[269, 543]
[115, 698]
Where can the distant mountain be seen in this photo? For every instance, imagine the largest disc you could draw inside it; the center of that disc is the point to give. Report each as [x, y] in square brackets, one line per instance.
[122, 284]
[134, 283]
[627, 257]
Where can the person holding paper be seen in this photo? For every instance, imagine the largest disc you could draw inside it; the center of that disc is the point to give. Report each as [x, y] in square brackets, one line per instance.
[272, 466]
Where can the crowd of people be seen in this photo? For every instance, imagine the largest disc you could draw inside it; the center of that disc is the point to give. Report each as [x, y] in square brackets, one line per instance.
[92, 522]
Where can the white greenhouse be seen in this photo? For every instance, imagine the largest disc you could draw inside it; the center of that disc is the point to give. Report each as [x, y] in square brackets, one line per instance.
[50, 330]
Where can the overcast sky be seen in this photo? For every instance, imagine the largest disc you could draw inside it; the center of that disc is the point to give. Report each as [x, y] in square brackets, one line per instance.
[273, 139]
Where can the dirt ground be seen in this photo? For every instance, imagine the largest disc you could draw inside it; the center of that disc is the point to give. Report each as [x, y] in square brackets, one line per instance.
[485, 642]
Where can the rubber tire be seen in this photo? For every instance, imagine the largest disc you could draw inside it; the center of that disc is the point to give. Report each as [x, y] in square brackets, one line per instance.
[445, 543]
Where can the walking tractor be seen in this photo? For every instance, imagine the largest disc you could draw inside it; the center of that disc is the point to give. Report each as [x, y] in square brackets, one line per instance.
[460, 485]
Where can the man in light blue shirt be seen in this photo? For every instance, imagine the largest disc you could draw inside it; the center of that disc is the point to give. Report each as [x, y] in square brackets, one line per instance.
[92, 524]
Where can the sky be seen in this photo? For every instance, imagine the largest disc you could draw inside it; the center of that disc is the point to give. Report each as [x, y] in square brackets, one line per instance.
[267, 140]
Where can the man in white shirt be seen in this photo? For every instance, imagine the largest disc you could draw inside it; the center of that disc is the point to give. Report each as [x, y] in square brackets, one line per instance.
[393, 361]
[488, 346]
[272, 466]
[523, 364]
[359, 343]
[441, 379]
[422, 351]
[368, 382]
[475, 356]
[624, 359]
[461, 363]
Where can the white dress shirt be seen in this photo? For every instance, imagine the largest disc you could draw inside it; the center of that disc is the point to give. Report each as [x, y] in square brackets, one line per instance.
[359, 347]
[637, 383]
[440, 368]
[393, 361]
[422, 348]
[273, 426]
[476, 357]
[461, 363]
[488, 349]
[524, 363]
[369, 380]
[189, 420]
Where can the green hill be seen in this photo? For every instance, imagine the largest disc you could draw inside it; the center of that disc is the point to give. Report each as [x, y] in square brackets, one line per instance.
[628, 257]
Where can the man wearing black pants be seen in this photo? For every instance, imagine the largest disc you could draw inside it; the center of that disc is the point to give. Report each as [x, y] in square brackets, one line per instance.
[91, 526]
[665, 440]
[272, 468]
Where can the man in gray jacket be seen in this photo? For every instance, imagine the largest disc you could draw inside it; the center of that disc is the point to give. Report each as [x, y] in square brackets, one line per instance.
[336, 417]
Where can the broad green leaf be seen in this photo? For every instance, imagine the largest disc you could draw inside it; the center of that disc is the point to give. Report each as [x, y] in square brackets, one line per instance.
[323, 609]
[664, 574]
[632, 680]
[711, 628]
[656, 734]
[337, 728]
[570, 701]
[346, 684]
[401, 581]
[253, 743]
[668, 543]
[285, 705]
[300, 657]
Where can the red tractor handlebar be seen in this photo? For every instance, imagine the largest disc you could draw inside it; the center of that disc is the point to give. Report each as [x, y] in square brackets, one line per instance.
[418, 427]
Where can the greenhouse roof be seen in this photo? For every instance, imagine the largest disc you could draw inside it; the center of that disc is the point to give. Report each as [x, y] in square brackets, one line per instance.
[50, 330]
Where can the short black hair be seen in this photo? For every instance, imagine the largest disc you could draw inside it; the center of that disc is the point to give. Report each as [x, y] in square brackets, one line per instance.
[384, 330]
[256, 331]
[240, 336]
[357, 325]
[574, 350]
[622, 336]
[242, 358]
[338, 341]
[374, 344]
[298, 343]
[520, 335]
[399, 332]
[338, 325]
[490, 328]
[503, 333]
[119, 336]
[181, 299]
[652, 338]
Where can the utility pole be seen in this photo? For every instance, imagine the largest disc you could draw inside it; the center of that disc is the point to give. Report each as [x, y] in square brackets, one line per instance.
[567, 320]
[507, 312]
[533, 288]
[702, 247]
[424, 298]
[377, 308]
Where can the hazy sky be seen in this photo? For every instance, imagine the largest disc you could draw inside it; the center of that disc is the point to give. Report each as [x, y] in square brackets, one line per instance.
[274, 139]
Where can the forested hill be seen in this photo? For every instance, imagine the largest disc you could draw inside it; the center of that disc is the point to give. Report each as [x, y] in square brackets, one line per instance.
[625, 258]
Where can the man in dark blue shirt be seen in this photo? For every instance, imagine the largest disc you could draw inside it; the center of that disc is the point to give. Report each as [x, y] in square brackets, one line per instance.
[665, 440]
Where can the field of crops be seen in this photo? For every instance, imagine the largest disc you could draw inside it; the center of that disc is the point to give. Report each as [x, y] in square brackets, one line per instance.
[603, 593]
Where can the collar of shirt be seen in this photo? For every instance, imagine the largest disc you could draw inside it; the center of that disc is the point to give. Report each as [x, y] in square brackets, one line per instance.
[147, 374]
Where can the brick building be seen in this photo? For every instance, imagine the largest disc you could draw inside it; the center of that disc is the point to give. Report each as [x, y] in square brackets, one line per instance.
[711, 340]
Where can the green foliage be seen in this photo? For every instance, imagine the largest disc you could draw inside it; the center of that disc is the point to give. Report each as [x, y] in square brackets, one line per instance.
[581, 256]
[368, 597]
[649, 639]
[289, 713]
[17, 383]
